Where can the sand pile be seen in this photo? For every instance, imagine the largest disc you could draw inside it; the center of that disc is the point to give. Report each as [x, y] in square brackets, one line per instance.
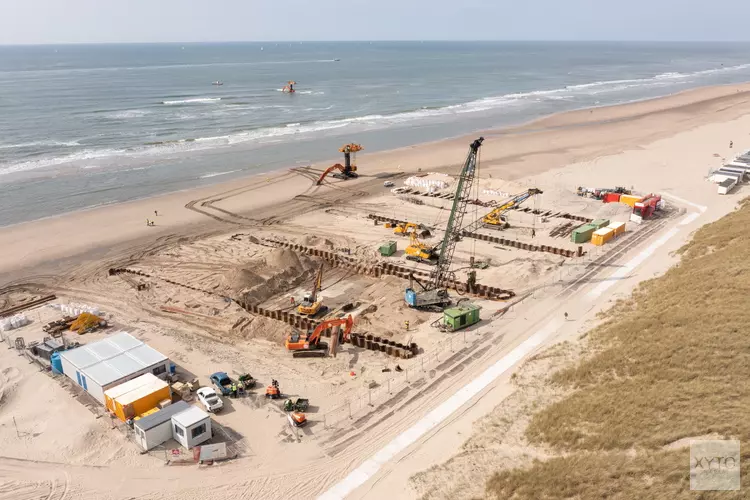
[279, 272]
[315, 241]
[239, 278]
[9, 378]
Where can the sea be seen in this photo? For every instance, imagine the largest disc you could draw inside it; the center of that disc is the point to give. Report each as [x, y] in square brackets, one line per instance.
[83, 126]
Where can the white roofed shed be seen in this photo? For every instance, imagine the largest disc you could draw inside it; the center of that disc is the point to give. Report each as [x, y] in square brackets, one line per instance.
[107, 363]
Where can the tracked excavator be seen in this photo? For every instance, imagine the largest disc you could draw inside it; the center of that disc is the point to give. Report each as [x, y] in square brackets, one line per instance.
[349, 169]
[433, 294]
[309, 345]
[420, 252]
[496, 219]
[311, 304]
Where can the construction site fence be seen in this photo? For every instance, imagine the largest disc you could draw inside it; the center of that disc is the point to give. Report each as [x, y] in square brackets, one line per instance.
[414, 374]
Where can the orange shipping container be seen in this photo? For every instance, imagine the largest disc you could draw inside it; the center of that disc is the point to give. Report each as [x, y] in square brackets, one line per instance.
[617, 227]
[629, 199]
[601, 236]
[141, 400]
[119, 390]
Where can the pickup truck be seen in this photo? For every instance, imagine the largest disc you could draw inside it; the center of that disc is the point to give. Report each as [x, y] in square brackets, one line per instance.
[222, 382]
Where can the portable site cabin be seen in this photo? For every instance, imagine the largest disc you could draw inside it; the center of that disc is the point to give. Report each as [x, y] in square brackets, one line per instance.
[138, 400]
[603, 235]
[191, 427]
[629, 199]
[101, 365]
[111, 394]
[599, 223]
[582, 234]
[738, 169]
[462, 316]
[617, 228]
[721, 175]
[157, 428]
[726, 186]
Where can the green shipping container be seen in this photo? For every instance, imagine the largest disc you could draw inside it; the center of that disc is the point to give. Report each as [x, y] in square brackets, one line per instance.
[600, 223]
[388, 248]
[582, 234]
[460, 317]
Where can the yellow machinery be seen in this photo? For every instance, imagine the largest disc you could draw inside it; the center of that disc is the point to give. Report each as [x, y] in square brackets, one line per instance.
[418, 251]
[403, 228]
[311, 304]
[496, 218]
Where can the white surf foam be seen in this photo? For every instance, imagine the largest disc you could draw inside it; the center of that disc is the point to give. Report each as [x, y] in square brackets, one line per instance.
[196, 100]
[216, 174]
[127, 114]
[38, 144]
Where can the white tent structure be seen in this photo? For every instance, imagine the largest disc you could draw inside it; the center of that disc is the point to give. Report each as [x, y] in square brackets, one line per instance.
[107, 363]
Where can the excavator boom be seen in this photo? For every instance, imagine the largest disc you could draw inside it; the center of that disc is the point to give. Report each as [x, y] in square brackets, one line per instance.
[310, 345]
[495, 217]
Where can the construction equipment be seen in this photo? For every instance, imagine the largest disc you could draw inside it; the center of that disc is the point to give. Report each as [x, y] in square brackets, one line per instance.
[434, 294]
[310, 346]
[496, 219]
[297, 418]
[296, 404]
[311, 304]
[273, 391]
[246, 381]
[406, 228]
[420, 252]
[349, 169]
[598, 193]
[645, 208]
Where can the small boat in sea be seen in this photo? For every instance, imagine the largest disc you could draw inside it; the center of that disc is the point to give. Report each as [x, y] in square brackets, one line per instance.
[217, 83]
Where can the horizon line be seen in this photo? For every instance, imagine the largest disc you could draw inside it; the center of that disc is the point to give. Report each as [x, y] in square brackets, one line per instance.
[217, 42]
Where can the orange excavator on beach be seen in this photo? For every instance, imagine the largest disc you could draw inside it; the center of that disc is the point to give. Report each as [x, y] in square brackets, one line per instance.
[309, 346]
[349, 169]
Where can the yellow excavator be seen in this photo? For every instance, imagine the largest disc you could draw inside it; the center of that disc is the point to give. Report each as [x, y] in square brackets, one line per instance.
[311, 304]
[420, 252]
[406, 228]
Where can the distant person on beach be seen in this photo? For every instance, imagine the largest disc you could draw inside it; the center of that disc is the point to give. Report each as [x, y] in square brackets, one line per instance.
[731, 144]
[156, 214]
[148, 223]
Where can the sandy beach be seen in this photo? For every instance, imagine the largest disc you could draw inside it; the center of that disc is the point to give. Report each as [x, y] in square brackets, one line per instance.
[237, 240]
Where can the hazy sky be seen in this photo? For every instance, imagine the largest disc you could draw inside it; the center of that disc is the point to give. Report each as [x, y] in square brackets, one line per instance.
[60, 21]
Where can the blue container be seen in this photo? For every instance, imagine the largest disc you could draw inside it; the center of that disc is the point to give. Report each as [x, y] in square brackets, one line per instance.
[56, 363]
[172, 368]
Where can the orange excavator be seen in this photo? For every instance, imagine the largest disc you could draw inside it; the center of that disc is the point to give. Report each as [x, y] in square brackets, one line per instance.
[349, 169]
[310, 346]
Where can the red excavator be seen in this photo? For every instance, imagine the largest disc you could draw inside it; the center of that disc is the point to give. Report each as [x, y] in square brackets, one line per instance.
[349, 169]
[310, 346]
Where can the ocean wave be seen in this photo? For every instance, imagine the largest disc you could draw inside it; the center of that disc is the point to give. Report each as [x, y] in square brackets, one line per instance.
[196, 100]
[127, 114]
[216, 174]
[272, 134]
[38, 144]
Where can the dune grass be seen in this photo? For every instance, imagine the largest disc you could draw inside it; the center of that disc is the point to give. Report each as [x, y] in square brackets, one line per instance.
[671, 363]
